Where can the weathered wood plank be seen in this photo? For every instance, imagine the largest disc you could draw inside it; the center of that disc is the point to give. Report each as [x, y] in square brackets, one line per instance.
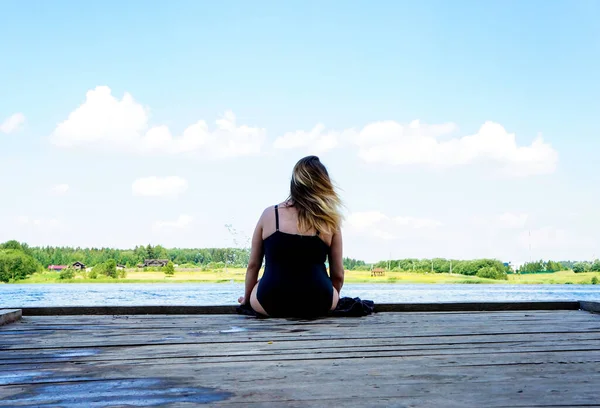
[231, 309]
[492, 359]
[593, 307]
[499, 356]
[422, 316]
[381, 343]
[9, 316]
[369, 327]
[241, 332]
[315, 382]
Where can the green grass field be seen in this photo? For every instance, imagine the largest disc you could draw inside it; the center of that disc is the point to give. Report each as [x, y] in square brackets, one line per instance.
[237, 275]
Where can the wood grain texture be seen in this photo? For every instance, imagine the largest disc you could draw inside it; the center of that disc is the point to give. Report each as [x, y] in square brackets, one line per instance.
[9, 316]
[220, 310]
[521, 358]
[592, 307]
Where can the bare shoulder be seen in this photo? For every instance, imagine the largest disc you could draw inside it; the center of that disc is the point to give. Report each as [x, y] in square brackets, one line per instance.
[267, 214]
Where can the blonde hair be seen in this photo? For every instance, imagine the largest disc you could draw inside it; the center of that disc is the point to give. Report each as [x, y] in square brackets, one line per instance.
[313, 195]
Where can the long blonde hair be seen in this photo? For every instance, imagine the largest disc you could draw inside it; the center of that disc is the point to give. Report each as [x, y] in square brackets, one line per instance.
[315, 198]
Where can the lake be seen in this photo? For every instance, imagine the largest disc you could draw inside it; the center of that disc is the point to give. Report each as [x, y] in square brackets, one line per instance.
[200, 294]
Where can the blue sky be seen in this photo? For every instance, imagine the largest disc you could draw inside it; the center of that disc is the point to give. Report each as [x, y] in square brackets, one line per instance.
[454, 129]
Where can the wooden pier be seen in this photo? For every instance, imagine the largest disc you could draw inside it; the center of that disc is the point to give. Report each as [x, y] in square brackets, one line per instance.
[441, 355]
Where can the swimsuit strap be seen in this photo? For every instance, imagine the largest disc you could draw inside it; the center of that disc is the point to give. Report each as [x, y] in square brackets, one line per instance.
[276, 218]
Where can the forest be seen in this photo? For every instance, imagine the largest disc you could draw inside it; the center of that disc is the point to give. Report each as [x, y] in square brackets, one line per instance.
[19, 260]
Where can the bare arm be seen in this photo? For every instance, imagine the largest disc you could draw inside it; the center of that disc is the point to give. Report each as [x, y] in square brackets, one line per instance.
[255, 262]
[336, 264]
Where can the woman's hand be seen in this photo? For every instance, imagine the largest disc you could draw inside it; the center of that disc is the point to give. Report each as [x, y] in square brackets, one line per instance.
[241, 300]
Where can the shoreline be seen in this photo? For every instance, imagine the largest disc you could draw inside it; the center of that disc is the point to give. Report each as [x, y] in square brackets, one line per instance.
[238, 276]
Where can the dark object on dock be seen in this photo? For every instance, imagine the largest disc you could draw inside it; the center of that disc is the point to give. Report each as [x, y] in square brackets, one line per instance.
[461, 359]
[353, 307]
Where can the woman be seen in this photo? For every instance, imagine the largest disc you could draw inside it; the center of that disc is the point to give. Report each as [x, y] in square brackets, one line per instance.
[296, 237]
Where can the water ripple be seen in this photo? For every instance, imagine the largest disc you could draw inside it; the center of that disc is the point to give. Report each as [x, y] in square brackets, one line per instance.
[203, 294]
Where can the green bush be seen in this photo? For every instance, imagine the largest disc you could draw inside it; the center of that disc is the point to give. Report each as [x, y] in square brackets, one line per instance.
[16, 264]
[489, 272]
[122, 274]
[579, 267]
[93, 274]
[216, 265]
[188, 266]
[594, 280]
[67, 273]
[169, 269]
[97, 270]
[108, 268]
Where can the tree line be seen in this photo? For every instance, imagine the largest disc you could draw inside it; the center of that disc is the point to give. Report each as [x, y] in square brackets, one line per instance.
[218, 257]
[473, 267]
[131, 257]
[484, 268]
[551, 266]
[18, 260]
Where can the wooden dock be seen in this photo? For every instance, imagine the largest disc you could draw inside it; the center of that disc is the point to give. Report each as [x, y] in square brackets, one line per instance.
[519, 357]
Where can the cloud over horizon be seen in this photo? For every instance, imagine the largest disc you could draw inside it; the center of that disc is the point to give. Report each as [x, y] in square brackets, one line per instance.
[104, 121]
[392, 143]
[12, 123]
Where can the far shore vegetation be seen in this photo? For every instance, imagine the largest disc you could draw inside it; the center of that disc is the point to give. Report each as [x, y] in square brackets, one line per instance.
[20, 263]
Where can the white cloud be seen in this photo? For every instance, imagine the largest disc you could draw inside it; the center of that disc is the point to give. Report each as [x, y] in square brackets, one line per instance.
[379, 225]
[159, 186]
[12, 123]
[389, 142]
[108, 122]
[365, 219]
[392, 143]
[316, 140]
[38, 222]
[505, 220]
[60, 189]
[183, 221]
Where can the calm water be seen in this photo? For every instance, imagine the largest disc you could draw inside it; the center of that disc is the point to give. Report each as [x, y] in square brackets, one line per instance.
[98, 294]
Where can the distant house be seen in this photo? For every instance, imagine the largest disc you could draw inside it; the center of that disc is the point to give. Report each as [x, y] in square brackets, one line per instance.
[57, 267]
[378, 272]
[78, 266]
[120, 267]
[155, 263]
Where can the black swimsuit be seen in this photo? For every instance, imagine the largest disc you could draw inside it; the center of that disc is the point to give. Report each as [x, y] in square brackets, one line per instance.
[295, 282]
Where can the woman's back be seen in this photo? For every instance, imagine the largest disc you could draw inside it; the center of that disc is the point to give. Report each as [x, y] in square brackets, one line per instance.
[295, 239]
[294, 271]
